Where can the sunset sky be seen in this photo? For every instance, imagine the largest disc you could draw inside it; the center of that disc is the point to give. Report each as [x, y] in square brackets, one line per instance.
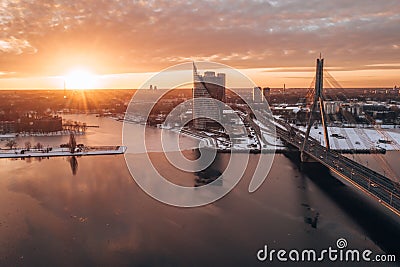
[122, 42]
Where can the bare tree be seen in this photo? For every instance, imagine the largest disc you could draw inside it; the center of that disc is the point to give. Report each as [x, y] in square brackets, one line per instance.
[39, 145]
[72, 142]
[28, 145]
[11, 143]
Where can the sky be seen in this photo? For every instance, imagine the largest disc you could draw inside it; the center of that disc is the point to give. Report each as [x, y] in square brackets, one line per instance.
[123, 42]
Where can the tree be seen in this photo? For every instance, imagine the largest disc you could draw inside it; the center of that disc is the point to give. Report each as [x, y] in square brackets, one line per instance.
[72, 142]
[11, 143]
[28, 145]
[39, 145]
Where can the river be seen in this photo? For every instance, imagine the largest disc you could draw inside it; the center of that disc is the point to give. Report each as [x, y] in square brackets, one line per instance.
[89, 211]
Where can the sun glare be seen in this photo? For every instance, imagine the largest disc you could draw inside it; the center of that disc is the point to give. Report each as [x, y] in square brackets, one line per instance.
[80, 79]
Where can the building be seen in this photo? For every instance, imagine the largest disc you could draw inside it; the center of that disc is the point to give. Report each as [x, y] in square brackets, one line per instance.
[43, 124]
[215, 84]
[267, 93]
[332, 107]
[7, 127]
[257, 94]
[206, 87]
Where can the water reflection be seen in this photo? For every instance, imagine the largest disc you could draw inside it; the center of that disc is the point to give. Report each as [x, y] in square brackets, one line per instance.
[74, 164]
[212, 174]
[98, 215]
[73, 161]
[371, 216]
[103, 218]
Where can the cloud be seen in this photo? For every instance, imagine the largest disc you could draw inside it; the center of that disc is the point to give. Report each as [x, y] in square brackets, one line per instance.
[16, 46]
[47, 37]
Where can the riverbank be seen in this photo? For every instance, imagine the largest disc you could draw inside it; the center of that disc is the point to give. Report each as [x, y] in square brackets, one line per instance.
[62, 152]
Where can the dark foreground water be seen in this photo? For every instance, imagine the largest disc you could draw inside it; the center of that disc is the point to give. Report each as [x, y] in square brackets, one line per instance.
[90, 212]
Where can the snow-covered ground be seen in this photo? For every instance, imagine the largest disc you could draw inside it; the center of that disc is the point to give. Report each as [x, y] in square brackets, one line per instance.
[58, 133]
[60, 152]
[4, 136]
[358, 138]
[341, 138]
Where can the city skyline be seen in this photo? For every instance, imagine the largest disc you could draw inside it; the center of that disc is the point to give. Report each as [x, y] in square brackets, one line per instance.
[122, 43]
[199, 133]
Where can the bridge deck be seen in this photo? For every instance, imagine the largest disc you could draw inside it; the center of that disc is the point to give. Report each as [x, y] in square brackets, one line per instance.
[374, 184]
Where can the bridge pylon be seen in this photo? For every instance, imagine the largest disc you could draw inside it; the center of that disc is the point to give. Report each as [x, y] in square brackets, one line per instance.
[318, 103]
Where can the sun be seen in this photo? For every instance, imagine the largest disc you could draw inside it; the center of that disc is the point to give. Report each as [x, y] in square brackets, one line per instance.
[80, 79]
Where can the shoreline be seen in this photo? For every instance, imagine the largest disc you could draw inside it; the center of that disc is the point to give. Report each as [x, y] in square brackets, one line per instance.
[63, 152]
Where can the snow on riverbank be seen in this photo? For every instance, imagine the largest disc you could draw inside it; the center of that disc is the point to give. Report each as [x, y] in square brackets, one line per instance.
[60, 152]
[358, 138]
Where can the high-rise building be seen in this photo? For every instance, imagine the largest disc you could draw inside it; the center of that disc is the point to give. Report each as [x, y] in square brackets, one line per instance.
[257, 94]
[207, 112]
[215, 84]
[267, 93]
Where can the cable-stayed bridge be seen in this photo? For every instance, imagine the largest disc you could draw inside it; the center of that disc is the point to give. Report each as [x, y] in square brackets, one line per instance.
[374, 184]
[380, 187]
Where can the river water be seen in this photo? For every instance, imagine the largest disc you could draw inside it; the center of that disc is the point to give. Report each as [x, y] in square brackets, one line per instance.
[89, 211]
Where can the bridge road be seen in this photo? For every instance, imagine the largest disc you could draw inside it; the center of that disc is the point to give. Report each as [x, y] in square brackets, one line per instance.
[374, 184]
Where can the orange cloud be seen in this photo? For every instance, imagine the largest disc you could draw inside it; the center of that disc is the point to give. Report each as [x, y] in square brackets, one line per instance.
[45, 38]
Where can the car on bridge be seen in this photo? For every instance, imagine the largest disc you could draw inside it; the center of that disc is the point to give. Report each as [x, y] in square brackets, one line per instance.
[373, 185]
